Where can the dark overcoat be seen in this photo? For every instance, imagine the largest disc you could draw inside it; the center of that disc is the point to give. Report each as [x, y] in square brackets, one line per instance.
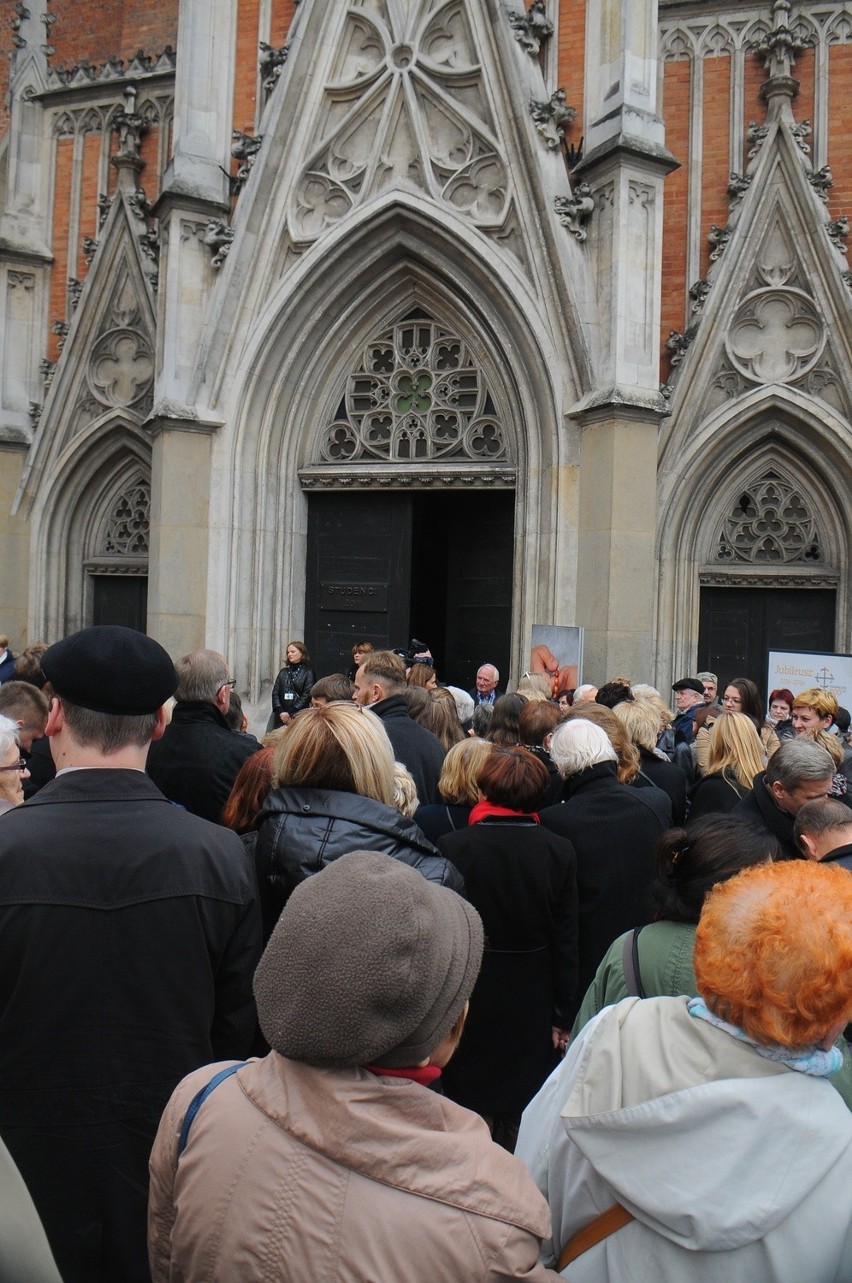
[522, 880]
[614, 835]
[198, 758]
[129, 934]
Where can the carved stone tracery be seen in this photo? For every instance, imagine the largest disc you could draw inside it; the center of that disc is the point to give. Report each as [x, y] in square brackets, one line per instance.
[406, 106]
[770, 524]
[777, 335]
[416, 393]
[126, 531]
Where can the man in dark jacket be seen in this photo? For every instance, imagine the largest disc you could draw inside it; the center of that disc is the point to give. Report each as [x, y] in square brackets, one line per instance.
[199, 756]
[129, 934]
[379, 684]
[797, 772]
[823, 831]
[613, 833]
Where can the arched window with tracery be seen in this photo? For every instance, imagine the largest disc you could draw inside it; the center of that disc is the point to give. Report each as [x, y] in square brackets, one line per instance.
[770, 523]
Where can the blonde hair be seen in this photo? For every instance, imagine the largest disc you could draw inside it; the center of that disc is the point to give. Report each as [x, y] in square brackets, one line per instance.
[641, 720]
[735, 746]
[457, 784]
[340, 747]
[405, 797]
[650, 695]
[831, 743]
[535, 687]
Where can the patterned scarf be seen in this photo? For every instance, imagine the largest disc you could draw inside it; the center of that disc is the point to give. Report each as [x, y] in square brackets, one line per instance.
[810, 1060]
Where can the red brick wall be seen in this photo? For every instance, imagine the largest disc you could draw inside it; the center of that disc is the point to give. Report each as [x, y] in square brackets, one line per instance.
[839, 132]
[93, 30]
[677, 79]
[572, 41]
[61, 209]
[715, 142]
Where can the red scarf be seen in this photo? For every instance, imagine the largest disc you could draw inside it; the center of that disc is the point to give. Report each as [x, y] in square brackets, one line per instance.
[484, 809]
[423, 1074]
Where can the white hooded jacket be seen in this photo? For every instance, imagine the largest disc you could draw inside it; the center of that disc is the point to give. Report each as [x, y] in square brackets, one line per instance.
[736, 1168]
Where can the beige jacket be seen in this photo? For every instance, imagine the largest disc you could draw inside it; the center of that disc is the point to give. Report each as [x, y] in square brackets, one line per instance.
[303, 1174]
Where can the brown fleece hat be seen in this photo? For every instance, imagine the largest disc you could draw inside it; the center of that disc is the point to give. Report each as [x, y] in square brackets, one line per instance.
[368, 963]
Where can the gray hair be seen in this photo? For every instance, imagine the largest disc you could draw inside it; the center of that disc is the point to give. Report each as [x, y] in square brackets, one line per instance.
[8, 735]
[201, 675]
[584, 689]
[464, 703]
[708, 677]
[579, 744]
[796, 762]
[493, 668]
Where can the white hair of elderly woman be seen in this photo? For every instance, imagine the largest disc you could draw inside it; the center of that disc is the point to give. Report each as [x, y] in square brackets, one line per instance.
[579, 744]
[8, 735]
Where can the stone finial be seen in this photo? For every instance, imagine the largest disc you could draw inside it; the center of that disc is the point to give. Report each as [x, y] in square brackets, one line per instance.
[130, 126]
[575, 211]
[532, 27]
[781, 45]
[550, 118]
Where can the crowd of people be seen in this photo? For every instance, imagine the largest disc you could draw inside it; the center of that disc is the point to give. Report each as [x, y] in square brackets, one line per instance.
[422, 982]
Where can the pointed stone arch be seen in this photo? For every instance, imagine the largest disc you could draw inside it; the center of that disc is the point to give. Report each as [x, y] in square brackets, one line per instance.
[772, 433]
[76, 523]
[392, 264]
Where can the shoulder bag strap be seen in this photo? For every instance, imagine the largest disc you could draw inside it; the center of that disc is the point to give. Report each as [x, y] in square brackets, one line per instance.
[199, 1099]
[630, 964]
[595, 1232]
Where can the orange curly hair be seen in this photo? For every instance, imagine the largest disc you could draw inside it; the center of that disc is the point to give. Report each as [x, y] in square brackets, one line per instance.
[773, 951]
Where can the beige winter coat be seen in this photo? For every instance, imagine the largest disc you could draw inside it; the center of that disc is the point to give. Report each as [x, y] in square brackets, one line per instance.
[302, 1174]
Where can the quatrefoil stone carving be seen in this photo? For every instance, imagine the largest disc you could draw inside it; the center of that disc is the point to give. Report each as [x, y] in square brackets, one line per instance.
[777, 335]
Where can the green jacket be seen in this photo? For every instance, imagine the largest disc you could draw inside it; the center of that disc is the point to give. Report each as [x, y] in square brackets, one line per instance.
[665, 967]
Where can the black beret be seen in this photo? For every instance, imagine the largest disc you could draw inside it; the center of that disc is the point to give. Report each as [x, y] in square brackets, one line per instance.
[689, 684]
[110, 669]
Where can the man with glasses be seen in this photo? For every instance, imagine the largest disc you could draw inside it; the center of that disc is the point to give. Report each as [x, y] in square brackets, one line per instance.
[129, 934]
[199, 756]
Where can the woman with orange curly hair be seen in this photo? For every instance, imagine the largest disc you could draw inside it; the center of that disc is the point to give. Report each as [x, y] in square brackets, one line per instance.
[696, 1138]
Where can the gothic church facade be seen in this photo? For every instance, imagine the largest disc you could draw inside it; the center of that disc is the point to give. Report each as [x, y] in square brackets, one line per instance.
[352, 318]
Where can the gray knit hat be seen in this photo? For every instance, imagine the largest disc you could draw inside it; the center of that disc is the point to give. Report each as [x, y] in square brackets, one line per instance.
[368, 963]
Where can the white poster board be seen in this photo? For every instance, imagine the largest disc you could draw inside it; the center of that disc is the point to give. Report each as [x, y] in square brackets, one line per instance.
[797, 670]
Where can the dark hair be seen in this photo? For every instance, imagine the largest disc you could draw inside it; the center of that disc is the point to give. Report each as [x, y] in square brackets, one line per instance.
[417, 700]
[537, 720]
[842, 720]
[750, 702]
[690, 862]
[249, 792]
[504, 721]
[28, 665]
[567, 692]
[821, 815]
[513, 777]
[482, 718]
[304, 657]
[108, 732]
[385, 669]
[612, 693]
[234, 715]
[335, 688]
[19, 699]
[441, 718]
[784, 694]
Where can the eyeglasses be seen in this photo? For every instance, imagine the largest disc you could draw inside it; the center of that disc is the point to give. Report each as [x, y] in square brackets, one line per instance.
[232, 681]
[20, 765]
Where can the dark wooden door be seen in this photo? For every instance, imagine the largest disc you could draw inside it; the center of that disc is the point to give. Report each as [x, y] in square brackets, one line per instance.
[120, 599]
[358, 571]
[739, 625]
[386, 567]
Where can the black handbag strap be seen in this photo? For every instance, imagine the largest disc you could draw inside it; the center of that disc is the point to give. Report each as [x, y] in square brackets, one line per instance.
[630, 963]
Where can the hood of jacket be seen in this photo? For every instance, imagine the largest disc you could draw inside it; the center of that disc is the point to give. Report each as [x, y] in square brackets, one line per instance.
[711, 1163]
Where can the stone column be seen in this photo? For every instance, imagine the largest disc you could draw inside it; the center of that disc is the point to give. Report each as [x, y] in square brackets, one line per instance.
[15, 538]
[623, 168]
[179, 547]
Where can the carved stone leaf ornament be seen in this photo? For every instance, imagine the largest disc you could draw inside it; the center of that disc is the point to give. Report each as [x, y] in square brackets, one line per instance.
[415, 394]
[770, 523]
[406, 107]
[777, 335]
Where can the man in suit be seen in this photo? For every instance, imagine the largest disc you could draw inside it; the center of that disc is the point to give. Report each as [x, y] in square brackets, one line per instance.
[379, 686]
[486, 690]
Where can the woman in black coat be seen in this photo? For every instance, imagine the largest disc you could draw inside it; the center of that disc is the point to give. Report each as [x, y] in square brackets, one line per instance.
[522, 880]
[292, 690]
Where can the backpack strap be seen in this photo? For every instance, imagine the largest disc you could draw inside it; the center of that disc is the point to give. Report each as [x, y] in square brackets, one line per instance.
[199, 1099]
[630, 964]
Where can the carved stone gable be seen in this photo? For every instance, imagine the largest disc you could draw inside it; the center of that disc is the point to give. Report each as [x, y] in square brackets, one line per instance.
[770, 523]
[406, 107]
[415, 393]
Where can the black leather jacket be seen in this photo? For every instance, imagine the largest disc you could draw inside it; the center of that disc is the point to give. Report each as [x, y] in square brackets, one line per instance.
[292, 690]
[300, 831]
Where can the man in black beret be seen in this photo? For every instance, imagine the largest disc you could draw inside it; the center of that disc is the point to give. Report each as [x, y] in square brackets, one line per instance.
[129, 934]
[689, 697]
